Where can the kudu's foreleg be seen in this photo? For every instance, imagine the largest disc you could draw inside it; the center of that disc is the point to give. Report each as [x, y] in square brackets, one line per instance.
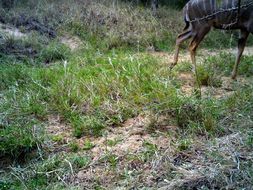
[241, 45]
[198, 37]
[195, 43]
[180, 39]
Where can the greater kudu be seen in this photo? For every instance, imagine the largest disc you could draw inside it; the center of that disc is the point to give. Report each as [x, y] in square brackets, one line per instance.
[201, 15]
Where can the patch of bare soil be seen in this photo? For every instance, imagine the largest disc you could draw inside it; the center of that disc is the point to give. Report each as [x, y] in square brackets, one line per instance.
[188, 81]
[129, 139]
[248, 51]
[122, 152]
[117, 144]
[168, 58]
[226, 88]
[184, 56]
[73, 42]
[201, 166]
[11, 31]
[118, 141]
[62, 134]
[15, 47]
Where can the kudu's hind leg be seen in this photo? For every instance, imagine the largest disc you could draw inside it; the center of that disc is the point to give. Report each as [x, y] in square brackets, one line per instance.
[180, 39]
[241, 45]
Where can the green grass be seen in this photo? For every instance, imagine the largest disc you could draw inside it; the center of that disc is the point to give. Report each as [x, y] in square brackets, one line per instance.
[224, 64]
[92, 94]
[44, 174]
[23, 109]
[101, 91]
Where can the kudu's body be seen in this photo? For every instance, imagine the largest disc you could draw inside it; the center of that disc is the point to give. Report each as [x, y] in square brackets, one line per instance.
[201, 15]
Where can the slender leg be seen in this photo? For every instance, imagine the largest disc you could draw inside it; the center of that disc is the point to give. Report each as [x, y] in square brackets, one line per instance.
[193, 47]
[241, 45]
[195, 43]
[180, 39]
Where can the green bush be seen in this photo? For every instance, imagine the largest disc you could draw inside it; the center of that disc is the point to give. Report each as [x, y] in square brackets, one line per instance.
[54, 51]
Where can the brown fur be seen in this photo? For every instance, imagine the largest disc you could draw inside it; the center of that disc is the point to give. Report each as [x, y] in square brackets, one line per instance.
[201, 15]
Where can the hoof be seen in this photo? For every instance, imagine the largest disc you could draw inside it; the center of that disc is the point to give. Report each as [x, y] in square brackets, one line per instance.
[233, 77]
[172, 66]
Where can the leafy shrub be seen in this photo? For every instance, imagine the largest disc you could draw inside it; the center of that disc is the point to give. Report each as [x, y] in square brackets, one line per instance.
[54, 51]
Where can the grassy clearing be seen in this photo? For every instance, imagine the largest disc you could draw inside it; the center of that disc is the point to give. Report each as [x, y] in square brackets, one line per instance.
[99, 87]
[99, 92]
[92, 94]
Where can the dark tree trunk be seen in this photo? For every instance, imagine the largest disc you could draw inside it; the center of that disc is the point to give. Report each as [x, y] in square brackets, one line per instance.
[154, 6]
[152, 3]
